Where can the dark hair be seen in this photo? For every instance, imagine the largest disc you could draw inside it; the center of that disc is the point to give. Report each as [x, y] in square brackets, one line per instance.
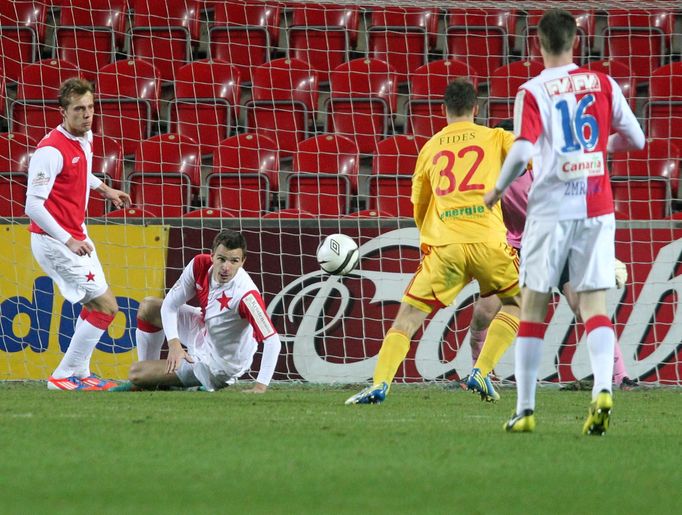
[460, 97]
[230, 240]
[507, 124]
[556, 31]
[73, 87]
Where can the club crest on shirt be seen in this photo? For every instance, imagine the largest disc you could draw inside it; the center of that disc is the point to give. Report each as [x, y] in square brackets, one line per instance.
[75, 160]
[41, 179]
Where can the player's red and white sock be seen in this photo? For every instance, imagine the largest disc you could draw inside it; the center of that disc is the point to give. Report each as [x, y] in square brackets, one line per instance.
[149, 340]
[528, 353]
[86, 336]
[600, 344]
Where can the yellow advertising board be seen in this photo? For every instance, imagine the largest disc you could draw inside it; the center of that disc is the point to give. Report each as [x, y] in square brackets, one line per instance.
[36, 322]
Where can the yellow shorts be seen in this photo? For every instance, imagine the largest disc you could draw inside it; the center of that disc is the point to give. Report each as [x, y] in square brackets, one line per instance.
[445, 270]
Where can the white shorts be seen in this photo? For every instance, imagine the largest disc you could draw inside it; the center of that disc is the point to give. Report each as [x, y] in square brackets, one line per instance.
[205, 371]
[587, 245]
[79, 278]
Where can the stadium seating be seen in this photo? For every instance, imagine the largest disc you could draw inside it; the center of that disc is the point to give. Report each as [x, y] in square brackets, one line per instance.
[639, 39]
[664, 109]
[163, 33]
[325, 175]
[107, 164]
[427, 86]
[390, 184]
[362, 101]
[15, 153]
[206, 104]
[480, 37]
[3, 92]
[503, 86]
[166, 172]
[646, 181]
[621, 74]
[243, 32]
[323, 35]
[35, 110]
[131, 212]
[284, 100]
[22, 28]
[210, 212]
[402, 37]
[290, 213]
[89, 36]
[586, 22]
[128, 101]
[246, 174]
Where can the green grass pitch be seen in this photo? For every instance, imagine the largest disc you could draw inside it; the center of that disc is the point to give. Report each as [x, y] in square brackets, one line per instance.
[298, 449]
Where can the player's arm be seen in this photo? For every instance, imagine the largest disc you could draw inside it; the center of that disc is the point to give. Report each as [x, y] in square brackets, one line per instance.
[252, 309]
[118, 198]
[182, 291]
[421, 191]
[629, 135]
[45, 166]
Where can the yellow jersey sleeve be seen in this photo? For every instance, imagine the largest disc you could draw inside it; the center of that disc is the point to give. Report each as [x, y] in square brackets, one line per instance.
[454, 170]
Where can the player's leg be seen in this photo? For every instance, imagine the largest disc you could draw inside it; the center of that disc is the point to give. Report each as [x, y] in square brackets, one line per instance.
[496, 269]
[485, 309]
[149, 335]
[592, 267]
[152, 373]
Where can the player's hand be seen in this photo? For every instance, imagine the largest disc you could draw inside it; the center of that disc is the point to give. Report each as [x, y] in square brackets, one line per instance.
[118, 198]
[257, 388]
[81, 248]
[176, 353]
[492, 197]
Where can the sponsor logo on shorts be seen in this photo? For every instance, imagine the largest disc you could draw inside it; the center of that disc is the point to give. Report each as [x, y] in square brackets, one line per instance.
[469, 211]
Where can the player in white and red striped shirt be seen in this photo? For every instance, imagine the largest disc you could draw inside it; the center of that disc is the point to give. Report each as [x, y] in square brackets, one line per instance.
[59, 182]
[564, 118]
[214, 344]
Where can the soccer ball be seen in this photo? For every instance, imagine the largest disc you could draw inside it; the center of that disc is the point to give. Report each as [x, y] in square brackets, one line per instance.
[338, 254]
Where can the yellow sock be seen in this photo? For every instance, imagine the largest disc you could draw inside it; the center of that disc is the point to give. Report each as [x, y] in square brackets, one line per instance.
[500, 336]
[392, 353]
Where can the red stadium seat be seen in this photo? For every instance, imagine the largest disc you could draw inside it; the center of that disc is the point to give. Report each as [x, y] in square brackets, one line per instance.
[402, 36]
[621, 74]
[22, 28]
[427, 86]
[107, 164]
[323, 35]
[643, 198]
[325, 175]
[243, 32]
[480, 37]
[659, 160]
[362, 101]
[35, 110]
[163, 33]
[503, 86]
[390, 184]
[639, 39]
[585, 20]
[89, 35]
[130, 212]
[210, 212]
[369, 213]
[283, 103]
[3, 91]
[128, 101]
[246, 169]
[664, 109]
[206, 104]
[167, 168]
[15, 154]
[289, 213]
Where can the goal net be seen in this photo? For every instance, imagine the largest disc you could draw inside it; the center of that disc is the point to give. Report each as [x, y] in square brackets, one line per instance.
[290, 121]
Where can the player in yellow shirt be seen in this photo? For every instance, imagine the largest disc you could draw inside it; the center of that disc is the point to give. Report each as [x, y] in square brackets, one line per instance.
[460, 238]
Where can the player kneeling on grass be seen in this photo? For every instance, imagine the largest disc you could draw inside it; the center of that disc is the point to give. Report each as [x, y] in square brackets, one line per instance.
[211, 345]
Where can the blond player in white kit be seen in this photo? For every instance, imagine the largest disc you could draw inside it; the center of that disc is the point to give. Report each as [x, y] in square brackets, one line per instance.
[564, 119]
[212, 345]
[59, 182]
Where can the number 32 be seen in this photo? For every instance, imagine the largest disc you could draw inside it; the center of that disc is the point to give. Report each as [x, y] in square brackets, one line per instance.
[448, 173]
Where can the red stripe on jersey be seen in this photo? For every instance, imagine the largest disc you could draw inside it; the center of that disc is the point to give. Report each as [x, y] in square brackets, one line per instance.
[527, 116]
[599, 199]
[201, 265]
[252, 309]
